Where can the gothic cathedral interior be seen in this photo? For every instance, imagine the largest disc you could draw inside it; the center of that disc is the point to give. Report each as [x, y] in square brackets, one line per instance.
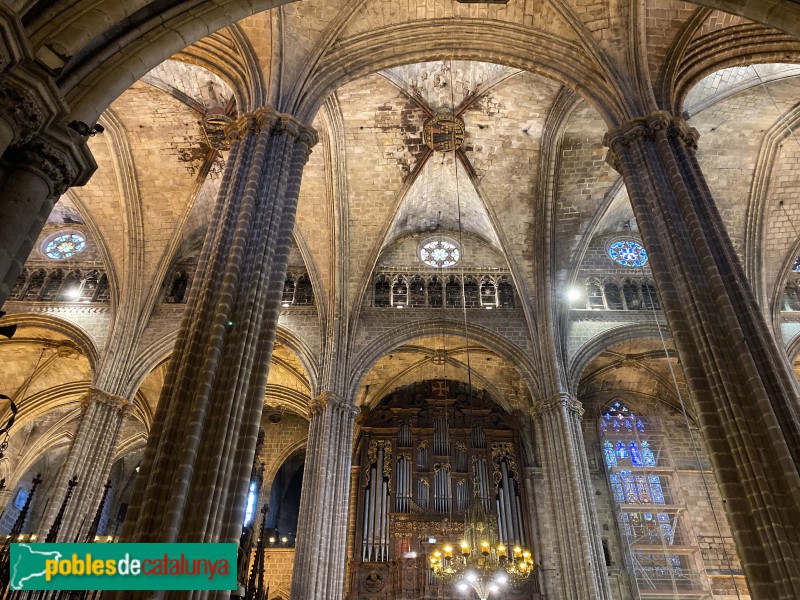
[410, 299]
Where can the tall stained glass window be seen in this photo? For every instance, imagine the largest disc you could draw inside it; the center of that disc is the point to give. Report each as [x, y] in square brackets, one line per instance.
[250, 507]
[646, 510]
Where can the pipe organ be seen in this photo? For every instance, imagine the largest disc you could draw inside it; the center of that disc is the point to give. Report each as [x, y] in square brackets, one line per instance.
[427, 452]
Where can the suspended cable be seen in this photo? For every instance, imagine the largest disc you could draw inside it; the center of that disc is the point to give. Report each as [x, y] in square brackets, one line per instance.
[692, 439]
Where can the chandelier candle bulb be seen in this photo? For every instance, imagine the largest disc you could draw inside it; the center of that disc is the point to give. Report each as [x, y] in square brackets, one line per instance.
[501, 551]
[485, 548]
[517, 552]
[464, 549]
[448, 552]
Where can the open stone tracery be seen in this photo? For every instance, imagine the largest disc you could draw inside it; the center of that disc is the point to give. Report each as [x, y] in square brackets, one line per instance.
[588, 215]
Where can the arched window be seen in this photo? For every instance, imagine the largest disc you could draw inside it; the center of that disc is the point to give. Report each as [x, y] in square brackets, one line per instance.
[416, 292]
[288, 291]
[35, 285]
[505, 293]
[435, 292]
[71, 287]
[594, 295]
[52, 287]
[471, 293]
[791, 299]
[382, 289]
[89, 286]
[613, 296]
[630, 290]
[250, 507]
[649, 296]
[648, 514]
[488, 293]
[19, 286]
[103, 293]
[452, 292]
[177, 289]
[304, 293]
[399, 292]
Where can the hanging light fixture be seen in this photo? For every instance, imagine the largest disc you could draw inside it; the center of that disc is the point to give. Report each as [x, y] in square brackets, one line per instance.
[478, 561]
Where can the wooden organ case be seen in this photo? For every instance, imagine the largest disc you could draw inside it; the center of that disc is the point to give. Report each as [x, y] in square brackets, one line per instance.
[426, 452]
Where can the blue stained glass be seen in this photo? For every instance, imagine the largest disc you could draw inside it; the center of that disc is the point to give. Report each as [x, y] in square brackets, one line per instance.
[666, 527]
[643, 490]
[616, 489]
[251, 503]
[647, 455]
[657, 489]
[629, 487]
[622, 451]
[628, 253]
[608, 451]
[636, 456]
[625, 522]
[619, 418]
[65, 246]
[796, 266]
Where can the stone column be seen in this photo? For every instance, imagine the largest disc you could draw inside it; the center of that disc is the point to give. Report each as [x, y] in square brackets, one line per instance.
[192, 486]
[578, 547]
[739, 379]
[90, 459]
[321, 555]
[355, 475]
[32, 177]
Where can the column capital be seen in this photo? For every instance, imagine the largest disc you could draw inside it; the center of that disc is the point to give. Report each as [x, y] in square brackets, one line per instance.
[59, 155]
[29, 100]
[648, 127]
[331, 399]
[98, 396]
[267, 118]
[556, 402]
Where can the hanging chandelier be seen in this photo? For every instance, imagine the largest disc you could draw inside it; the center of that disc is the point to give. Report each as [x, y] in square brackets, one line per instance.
[480, 561]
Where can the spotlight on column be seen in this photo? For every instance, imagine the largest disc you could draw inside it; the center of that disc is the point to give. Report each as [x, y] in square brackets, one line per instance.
[84, 130]
[7, 330]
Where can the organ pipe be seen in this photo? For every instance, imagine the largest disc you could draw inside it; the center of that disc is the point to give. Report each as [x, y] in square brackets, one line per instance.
[509, 508]
[403, 485]
[375, 538]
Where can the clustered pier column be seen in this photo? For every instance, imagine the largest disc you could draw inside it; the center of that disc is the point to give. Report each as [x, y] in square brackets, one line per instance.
[582, 571]
[89, 459]
[320, 557]
[193, 482]
[32, 178]
[741, 385]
